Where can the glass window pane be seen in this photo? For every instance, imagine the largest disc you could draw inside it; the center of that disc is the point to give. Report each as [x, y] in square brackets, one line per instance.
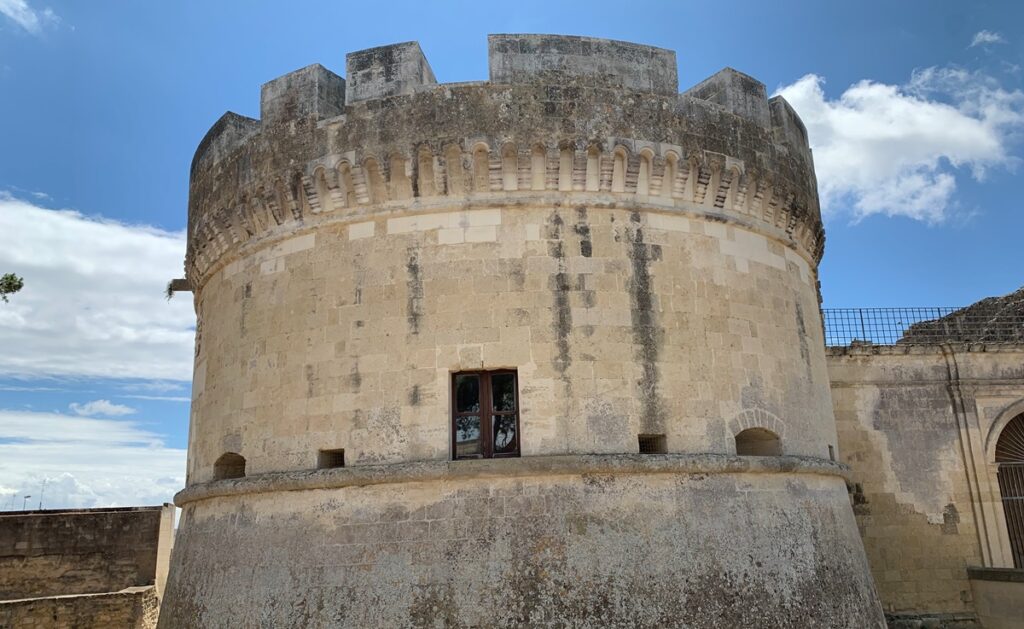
[503, 392]
[467, 393]
[504, 434]
[467, 436]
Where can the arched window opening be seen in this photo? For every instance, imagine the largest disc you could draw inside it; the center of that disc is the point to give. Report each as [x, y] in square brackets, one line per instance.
[345, 182]
[375, 181]
[229, 465]
[509, 167]
[426, 187]
[565, 158]
[593, 169]
[323, 191]
[454, 170]
[1010, 459]
[481, 169]
[538, 168]
[758, 442]
[401, 185]
[619, 171]
[668, 177]
[643, 176]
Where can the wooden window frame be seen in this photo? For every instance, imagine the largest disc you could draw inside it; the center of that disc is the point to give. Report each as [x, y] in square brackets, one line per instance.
[486, 414]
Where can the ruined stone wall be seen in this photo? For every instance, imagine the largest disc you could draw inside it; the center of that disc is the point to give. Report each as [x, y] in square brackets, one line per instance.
[917, 424]
[647, 262]
[46, 553]
[132, 608]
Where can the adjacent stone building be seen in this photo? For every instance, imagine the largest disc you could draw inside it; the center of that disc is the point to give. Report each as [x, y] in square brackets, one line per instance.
[931, 420]
[84, 568]
[543, 350]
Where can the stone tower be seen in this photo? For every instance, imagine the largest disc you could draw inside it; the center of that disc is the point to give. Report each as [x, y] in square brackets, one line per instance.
[543, 350]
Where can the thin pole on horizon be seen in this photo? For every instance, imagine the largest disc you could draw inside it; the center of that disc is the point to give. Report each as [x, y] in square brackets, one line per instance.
[41, 490]
[25, 502]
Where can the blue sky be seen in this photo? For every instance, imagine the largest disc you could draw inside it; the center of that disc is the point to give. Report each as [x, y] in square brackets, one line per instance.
[915, 111]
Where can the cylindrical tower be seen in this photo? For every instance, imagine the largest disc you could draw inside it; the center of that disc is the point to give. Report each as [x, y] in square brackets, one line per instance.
[543, 350]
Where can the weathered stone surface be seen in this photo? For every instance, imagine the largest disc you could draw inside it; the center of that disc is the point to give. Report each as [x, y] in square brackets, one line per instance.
[739, 93]
[131, 608]
[59, 552]
[394, 70]
[646, 261]
[311, 91]
[552, 59]
[918, 426]
[558, 551]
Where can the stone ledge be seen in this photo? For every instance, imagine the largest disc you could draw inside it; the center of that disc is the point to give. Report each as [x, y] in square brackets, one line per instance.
[903, 349]
[128, 591]
[557, 465]
[1009, 575]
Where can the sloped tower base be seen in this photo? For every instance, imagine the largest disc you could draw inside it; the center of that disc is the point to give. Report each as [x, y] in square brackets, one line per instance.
[592, 541]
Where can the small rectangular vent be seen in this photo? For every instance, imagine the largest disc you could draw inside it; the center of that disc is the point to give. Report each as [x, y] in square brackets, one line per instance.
[326, 459]
[653, 444]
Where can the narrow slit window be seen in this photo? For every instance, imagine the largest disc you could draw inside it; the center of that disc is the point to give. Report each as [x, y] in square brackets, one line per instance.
[653, 444]
[327, 459]
[485, 415]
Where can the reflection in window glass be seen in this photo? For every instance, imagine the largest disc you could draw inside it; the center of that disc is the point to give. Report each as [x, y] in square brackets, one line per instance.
[503, 392]
[485, 414]
[467, 394]
[467, 436]
[504, 434]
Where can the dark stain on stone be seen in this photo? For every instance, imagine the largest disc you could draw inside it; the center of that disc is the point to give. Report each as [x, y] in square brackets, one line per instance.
[647, 336]
[560, 287]
[354, 377]
[310, 380]
[582, 229]
[517, 274]
[950, 520]
[801, 330]
[861, 506]
[414, 290]
[414, 395]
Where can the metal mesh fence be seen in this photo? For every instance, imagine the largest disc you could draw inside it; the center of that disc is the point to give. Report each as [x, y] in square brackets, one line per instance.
[928, 326]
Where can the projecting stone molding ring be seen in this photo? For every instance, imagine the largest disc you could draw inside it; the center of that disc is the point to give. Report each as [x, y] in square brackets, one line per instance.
[524, 467]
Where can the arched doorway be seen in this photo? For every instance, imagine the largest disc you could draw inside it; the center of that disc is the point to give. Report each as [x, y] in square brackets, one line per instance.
[1010, 459]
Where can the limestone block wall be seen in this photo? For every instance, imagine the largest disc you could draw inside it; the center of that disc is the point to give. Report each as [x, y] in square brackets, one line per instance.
[60, 552]
[619, 322]
[131, 608]
[918, 425]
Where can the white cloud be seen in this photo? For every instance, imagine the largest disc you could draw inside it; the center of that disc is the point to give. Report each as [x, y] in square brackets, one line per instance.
[26, 17]
[84, 462]
[93, 302]
[896, 150]
[984, 38]
[160, 398]
[106, 408]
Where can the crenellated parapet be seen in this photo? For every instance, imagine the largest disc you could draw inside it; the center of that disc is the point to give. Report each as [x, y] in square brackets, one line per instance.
[568, 120]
